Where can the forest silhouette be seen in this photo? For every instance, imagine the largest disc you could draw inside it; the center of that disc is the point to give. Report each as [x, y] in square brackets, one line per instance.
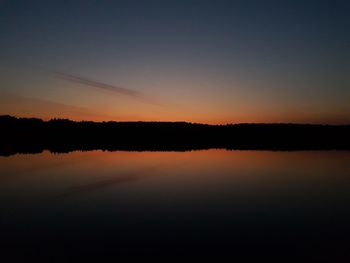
[33, 135]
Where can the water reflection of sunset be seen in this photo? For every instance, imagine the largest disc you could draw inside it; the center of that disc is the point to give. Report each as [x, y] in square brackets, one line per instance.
[169, 168]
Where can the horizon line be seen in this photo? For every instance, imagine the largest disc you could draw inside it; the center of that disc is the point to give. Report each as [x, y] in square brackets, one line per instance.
[178, 121]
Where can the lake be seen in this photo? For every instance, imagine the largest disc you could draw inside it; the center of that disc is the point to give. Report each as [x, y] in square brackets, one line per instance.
[57, 207]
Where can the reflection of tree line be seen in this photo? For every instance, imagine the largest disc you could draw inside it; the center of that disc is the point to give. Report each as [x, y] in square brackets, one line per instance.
[30, 135]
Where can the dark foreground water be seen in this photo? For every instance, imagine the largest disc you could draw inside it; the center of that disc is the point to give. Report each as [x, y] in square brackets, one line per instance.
[238, 204]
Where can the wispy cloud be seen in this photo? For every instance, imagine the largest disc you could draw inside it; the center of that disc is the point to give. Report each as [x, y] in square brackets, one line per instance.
[100, 85]
[23, 106]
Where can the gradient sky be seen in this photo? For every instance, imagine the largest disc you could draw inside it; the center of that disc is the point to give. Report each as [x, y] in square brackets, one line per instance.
[200, 61]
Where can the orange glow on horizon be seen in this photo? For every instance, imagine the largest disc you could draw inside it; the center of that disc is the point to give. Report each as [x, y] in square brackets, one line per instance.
[196, 113]
[338, 120]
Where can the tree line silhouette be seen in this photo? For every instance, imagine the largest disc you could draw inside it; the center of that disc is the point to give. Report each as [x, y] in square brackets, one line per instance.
[32, 135]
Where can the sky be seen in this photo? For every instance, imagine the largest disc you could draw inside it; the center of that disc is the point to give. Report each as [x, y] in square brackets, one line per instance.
[197, 61]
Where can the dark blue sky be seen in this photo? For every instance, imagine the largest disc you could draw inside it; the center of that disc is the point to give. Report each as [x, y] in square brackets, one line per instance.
[213, 61]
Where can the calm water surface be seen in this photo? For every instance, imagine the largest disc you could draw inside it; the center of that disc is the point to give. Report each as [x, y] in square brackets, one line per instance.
[214, 202]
